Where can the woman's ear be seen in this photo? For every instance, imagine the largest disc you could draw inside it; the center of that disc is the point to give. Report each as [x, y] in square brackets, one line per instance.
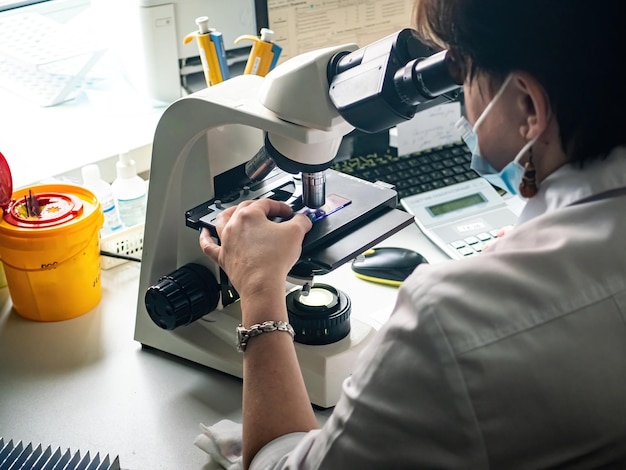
[533, 105]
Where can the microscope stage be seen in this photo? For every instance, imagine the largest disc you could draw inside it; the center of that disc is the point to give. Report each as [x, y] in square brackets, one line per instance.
[367, 216]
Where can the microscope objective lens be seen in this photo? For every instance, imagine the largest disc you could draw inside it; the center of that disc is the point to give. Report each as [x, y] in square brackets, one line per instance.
[314, 189]
[260, 165]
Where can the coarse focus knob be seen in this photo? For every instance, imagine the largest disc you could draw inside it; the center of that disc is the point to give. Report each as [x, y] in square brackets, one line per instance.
[319, 316]
[183, 296]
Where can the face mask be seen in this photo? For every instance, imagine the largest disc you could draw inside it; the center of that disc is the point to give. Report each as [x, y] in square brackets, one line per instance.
[510, 177]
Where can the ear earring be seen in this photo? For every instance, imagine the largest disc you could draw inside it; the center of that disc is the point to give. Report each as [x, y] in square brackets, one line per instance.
[528, 187]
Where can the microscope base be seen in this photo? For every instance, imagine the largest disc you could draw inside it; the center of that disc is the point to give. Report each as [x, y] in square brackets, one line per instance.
[211, 340]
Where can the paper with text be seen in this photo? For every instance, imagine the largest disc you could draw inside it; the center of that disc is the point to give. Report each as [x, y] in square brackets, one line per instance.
[429, 128]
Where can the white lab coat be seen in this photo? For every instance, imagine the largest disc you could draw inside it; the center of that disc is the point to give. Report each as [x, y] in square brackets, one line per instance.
[515, 358]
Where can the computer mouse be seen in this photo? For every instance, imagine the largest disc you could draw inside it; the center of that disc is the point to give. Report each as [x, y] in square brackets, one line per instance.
[387, 265]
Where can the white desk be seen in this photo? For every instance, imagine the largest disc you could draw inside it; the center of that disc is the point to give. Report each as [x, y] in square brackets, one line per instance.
[85, 384]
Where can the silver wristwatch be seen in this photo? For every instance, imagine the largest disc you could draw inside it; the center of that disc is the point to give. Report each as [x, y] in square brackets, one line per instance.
[244, 334]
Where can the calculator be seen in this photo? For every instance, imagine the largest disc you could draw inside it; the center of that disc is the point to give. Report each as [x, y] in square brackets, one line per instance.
[462, 217]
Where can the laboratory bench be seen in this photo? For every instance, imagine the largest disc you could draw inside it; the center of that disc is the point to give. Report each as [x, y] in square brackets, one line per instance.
[87, 385]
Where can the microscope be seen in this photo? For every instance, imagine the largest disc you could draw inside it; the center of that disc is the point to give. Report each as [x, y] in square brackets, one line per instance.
[253, 137]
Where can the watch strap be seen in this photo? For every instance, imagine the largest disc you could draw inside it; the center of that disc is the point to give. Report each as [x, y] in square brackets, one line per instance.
[244, 334]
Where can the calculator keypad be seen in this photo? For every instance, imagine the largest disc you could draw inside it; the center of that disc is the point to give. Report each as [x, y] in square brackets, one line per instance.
[473, 244]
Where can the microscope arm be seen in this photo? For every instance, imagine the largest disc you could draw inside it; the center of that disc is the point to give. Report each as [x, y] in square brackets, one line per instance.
[199, 138]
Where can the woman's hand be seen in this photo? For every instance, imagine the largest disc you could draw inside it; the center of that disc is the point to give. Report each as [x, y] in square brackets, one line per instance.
[256, 252]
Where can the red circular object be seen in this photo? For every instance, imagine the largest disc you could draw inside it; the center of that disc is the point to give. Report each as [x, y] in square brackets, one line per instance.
[55, 209]
[6, 183]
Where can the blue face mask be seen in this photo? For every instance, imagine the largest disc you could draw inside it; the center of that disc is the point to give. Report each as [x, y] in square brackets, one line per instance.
[510, 177]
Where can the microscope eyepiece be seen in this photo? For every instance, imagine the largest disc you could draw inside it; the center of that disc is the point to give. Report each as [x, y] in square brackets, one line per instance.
[423, 80]
[387, 82]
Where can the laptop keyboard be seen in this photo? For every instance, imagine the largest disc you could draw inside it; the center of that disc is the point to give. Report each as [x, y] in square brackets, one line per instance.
[413, 173]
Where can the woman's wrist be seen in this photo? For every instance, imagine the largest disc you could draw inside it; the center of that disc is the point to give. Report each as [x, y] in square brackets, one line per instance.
[260, 286]
[264, 305]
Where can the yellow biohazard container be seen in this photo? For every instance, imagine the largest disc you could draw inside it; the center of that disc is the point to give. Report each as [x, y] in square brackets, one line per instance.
[50, 248]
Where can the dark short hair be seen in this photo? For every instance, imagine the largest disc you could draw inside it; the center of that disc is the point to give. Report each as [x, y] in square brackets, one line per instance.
[575, 48]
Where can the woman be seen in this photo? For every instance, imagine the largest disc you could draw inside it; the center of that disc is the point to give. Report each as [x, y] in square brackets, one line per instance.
[512, 359]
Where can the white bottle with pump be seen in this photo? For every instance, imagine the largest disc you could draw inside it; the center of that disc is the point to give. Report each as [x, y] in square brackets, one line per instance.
[104, 193]
[130, 192]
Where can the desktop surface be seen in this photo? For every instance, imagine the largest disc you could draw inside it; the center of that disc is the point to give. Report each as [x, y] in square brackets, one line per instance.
[85, 384]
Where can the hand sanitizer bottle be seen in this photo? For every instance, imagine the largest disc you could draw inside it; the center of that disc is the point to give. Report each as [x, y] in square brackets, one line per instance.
[130, 192]
[104, 193]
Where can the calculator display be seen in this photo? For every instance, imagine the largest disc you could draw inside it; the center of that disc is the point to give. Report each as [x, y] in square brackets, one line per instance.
[456, 204]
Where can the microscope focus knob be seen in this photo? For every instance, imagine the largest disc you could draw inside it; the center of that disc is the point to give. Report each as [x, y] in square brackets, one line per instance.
[320, 315]
[183, 296]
